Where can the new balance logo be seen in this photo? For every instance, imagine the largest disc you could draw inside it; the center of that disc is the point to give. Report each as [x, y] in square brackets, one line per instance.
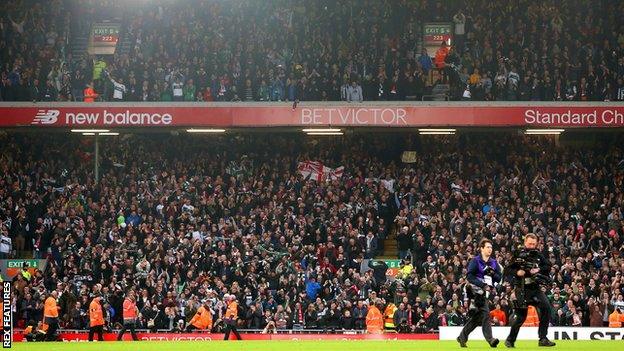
[46, 117]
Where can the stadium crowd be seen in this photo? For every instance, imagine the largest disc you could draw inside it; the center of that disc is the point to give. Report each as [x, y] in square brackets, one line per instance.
[186, 222]
[286, 50]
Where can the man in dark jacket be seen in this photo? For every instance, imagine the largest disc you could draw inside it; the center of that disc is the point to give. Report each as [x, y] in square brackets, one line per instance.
[483, 272]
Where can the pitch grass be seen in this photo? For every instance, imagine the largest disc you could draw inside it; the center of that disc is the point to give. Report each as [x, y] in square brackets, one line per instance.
[359, 345]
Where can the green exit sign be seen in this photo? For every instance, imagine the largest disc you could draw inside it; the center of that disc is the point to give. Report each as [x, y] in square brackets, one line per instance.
[20, 263]
[437, 29]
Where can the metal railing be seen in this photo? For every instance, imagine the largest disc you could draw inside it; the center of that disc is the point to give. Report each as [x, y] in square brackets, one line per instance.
[435, 97]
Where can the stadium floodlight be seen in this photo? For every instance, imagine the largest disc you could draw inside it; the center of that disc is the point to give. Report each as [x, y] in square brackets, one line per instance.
[544, 131]
[98, 134]
[325, 133]
[434, 130]
[321, 130]
[205, 130]
[90, 130]
[436, 133]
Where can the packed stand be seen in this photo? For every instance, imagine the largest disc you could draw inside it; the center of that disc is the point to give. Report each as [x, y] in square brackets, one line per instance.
[186, 222]
[286, 50]
[32, 51]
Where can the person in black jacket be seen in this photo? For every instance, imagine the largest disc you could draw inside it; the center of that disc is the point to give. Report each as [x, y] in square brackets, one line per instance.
[483, 272]
[533, 295]
[404, 242]
[254, 317]
[346, 320]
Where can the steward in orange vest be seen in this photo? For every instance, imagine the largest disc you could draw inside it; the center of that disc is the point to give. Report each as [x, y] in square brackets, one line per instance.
[96, 319]
[50, 316]
[231, 315]
[130, 314]
[531, 319]
[202, 318]
[374, 320]
[389, 316]
[616, 319]
[89, 93]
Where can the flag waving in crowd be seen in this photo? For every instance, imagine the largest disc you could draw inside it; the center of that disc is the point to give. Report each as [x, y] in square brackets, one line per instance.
[315, 170]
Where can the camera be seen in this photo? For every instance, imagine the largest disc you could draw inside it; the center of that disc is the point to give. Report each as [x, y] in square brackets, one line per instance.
[526, 260]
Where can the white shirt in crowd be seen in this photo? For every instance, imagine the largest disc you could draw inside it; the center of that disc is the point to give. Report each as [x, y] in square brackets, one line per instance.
[177, 88]
[354, 93]
[5, 244]
[120, 89]
[460, 24]
[343, 91]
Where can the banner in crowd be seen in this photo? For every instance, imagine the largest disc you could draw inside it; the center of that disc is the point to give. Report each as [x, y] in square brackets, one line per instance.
[10, 268]
[530, 333]
[315, 170]
[310, 115]
[75, 336]
[409, 157]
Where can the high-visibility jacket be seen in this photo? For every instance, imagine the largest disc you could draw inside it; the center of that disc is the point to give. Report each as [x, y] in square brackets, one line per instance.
[96, 315]
[50, 309]
[389, 315]
[90, 95]
[374, 320]
[500, 315]
[129, 309]
[440, 56]
[202, 319]
[532, 320]
[405, 271]
[616, 319]
[232, 311]
[26, 275]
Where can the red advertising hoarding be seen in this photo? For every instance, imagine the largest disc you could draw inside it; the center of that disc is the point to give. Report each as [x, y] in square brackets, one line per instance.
[282, 115]
[77, 337]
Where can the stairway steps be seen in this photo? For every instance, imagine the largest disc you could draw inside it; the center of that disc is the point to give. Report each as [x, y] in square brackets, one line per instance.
[391, 250]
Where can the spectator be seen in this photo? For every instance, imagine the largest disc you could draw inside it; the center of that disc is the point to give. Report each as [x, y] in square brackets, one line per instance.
[498, 316]
[49, 92]
[404, 242]
[89, 93]
[177, 86]
[460, 29]
[119, 89]
[425, 61]
[616, 319]
[354, 92]
[440, 61]
[374, 319]
[6, 246]
[264, 91]
[371, 245]
[189, 91]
